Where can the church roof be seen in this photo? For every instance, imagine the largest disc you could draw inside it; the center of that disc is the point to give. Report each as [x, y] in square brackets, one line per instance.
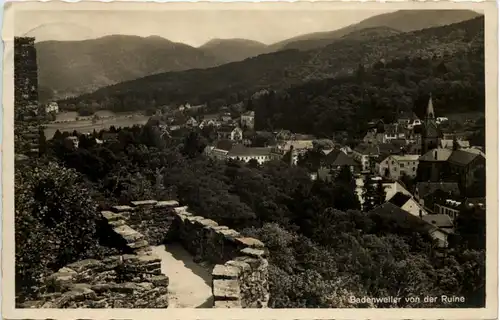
[439, 154]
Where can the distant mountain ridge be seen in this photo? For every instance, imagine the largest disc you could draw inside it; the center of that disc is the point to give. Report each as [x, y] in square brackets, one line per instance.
[75, 67]
[280, 70]
[70, 68]
[230, 50]
[402, 20]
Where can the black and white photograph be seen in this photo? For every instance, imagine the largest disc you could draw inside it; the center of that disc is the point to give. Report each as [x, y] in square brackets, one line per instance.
[242, 158]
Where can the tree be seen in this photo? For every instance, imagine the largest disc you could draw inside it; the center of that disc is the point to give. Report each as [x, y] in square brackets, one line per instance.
[42, 142]
[345, 190]
[194, 144]
[369, 193]
[56, 222]
[379, 194]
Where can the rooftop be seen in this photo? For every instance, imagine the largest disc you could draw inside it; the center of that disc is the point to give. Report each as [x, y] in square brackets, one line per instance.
[249, 152]
[224, 145]
[425, 188]
[462, 157]
[297, 144]
[401, 217]
[409, 157]
[339, 158]
[439, 154]
[439, 220]
[399, 199]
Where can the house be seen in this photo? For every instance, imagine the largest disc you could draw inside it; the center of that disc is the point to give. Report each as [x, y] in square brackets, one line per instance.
[71, 142]
[394, 166]
[177, 122]
[414, 148]
[109, 136]
[427, 192]
[336, 159]
[466, 166]
[440, 120]
[406, 118]
[391, 212]
[52, 107]
[247, 119]
[226, 117]
[408, 204]
[283, 135]
[390, 187]
[393, 187]
[230, 132]
[245, 154]
[210, 120]
[373, 137]
[448, 207]
[474, 204]
[433, 165]
[346, 149]
[220, 150]
[441, 221]
[450, 144]
[364, 154]
[415, 122]
[191, 122]
[300, 146]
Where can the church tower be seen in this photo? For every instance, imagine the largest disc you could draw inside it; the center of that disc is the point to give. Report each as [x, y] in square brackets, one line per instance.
[430, 130]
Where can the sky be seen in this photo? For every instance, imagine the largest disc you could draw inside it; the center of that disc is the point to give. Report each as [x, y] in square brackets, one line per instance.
[193, 27]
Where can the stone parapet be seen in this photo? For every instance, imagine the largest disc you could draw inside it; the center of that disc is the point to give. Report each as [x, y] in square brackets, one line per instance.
[240, 275]
[134, 279]
[125, 281]
[130, 280]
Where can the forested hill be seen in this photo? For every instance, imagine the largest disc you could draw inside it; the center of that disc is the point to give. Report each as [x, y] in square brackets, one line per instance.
[347, 104]
[401, 20]
[230, 50]
[235, 81]
[75, 67]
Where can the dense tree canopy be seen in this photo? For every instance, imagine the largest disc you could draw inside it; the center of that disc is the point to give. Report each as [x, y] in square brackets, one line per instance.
[322, 249]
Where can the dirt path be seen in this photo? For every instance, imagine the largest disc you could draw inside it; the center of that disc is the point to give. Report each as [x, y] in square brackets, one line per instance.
[189, 285]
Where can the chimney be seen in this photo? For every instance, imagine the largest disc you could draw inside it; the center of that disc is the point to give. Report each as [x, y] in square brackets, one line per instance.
[420, 213]
[291, 155]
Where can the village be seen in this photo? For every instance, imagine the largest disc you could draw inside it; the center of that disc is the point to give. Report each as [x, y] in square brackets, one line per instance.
[429, 172]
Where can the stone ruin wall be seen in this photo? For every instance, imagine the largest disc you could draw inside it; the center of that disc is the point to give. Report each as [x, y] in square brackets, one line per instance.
[240, 274]
[134, 279]
[130, 280]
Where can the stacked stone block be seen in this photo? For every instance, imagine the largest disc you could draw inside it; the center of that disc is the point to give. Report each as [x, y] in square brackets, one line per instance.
[134, 279]
[131, 280]
[240, 275]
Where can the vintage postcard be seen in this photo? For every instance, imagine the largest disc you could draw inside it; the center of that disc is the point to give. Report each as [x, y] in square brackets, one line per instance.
[300, 160]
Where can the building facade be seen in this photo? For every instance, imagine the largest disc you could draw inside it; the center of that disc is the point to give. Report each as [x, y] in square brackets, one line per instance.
[394, 166]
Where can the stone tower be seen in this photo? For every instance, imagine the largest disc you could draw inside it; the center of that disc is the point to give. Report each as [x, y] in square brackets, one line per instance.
[430, 130]
[25, 75]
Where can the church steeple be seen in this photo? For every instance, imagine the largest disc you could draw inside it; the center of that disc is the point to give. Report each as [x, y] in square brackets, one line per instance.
[430, 133]
[430, 109]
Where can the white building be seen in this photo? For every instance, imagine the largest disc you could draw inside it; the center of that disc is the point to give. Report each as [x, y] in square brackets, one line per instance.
[394, 166]
[245, 154]
[409, 204]
[52, 107]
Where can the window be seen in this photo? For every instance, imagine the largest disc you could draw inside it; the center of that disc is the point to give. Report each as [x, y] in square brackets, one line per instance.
[413, 169]
[402, 165]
